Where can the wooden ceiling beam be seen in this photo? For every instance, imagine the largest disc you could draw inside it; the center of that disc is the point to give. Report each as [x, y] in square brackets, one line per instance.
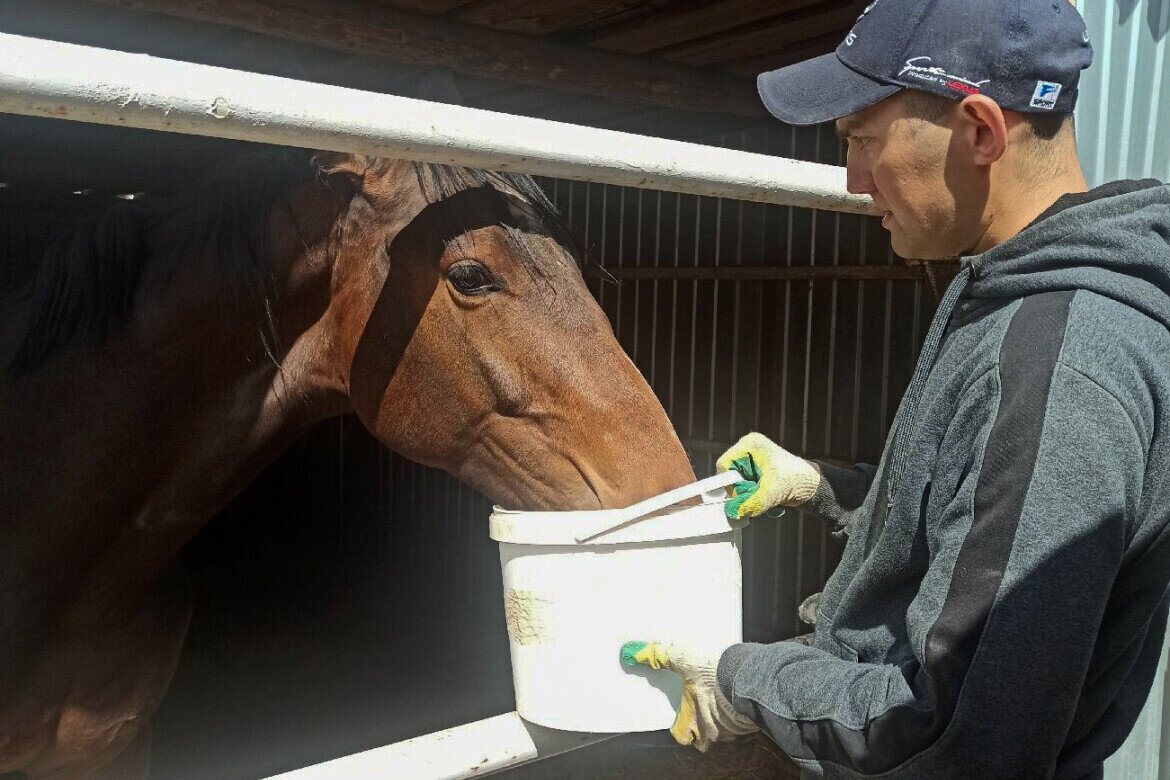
[750, 67]
[428, 7]
[396, 36]
[541, 17]
[764, 37]
[675, 26]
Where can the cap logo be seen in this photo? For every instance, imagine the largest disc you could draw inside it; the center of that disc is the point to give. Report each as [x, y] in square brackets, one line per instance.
[852, 36]
[1045, 95]
[918, 68]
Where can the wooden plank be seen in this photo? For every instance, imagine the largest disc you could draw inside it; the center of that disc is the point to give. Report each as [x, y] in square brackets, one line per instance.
[400, 37]
[542, 17]
[428, 7]
[643, 10]
[674, 27]
[103, 26]
[759, 39]
[750, 67]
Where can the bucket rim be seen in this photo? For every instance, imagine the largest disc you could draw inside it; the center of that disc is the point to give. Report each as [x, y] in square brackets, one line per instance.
[562, 528]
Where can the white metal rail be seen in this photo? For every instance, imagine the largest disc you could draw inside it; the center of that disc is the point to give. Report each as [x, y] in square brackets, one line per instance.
[80, 83]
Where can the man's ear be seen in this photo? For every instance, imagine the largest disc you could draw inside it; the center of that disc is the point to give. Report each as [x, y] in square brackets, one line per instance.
[983, 121]
[339, 167]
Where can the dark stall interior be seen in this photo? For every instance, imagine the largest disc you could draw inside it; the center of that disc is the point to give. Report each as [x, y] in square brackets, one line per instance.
[348, 598]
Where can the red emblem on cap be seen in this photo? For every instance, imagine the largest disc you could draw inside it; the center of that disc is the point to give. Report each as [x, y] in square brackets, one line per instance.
[970, 90]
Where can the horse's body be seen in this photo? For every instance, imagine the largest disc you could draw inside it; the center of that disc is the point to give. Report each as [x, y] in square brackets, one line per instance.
[169, 354]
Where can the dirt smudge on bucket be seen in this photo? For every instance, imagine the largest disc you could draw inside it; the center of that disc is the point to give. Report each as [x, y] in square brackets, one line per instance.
[525, 613]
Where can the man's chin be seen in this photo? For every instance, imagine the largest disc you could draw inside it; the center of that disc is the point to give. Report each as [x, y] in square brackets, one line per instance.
[907, 250]
[918, 251]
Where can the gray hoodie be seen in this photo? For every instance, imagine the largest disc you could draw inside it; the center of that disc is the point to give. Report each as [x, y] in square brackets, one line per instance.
[1001, 602]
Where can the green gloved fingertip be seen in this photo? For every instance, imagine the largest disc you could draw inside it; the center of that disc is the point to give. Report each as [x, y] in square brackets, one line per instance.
[629, 651]
[731, 508]
[741, 492]
[744, 488]
[747, 468]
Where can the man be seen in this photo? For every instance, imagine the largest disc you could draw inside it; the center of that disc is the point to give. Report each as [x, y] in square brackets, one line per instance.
[1000, 605]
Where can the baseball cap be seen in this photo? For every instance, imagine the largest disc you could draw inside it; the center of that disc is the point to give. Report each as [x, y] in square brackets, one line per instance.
[1026, 55]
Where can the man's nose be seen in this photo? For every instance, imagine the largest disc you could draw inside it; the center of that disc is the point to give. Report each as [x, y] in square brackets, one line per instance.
[858, 179]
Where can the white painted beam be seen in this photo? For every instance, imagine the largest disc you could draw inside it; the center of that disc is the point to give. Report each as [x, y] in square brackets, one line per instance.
[51, 79]
[473, 750]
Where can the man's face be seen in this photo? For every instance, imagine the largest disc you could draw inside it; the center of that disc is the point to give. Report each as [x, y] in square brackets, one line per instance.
[929, 198]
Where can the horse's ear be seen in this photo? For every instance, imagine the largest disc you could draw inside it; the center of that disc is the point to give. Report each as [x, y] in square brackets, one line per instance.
[341, 167]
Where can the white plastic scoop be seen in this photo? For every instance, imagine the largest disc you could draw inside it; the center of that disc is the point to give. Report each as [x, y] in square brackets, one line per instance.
[712, 489]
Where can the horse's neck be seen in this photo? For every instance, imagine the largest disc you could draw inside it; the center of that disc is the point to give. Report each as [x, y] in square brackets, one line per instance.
[113, 458]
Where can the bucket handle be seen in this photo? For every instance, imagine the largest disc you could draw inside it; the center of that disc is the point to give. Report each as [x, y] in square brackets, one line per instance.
[617, 518]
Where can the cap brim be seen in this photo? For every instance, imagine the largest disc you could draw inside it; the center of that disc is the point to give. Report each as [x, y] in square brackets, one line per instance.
[819, 90]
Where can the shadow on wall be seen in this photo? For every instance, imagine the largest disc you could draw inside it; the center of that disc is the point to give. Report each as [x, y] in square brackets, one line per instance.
[1157, 14]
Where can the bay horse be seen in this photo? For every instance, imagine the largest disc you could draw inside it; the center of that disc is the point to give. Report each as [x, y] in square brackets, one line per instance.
[166, 352]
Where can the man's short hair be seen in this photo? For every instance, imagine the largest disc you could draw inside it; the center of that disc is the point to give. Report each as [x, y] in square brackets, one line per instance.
[930, 107]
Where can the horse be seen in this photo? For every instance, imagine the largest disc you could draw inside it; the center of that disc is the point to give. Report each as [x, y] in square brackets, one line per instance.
[166, 351]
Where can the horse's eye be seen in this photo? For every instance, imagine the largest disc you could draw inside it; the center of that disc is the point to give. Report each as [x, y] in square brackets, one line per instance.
[471, 278]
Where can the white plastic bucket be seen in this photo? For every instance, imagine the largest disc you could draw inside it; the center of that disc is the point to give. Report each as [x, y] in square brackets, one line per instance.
[671, 575]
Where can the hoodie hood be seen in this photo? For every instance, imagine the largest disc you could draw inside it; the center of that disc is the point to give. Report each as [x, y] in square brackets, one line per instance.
[1113, 240]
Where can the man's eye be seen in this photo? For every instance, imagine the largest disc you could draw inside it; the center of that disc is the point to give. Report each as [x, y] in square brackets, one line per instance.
[471, 278]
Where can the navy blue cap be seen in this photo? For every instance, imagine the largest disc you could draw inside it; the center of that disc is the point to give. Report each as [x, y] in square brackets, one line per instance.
[1026, 55]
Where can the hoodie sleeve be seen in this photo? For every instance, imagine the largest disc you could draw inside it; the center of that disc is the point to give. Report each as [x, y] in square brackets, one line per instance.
[841, 491]
[1021, 563]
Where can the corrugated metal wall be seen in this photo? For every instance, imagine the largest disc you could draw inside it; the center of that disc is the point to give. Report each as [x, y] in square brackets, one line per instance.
[1123, 113]
[1123, 127]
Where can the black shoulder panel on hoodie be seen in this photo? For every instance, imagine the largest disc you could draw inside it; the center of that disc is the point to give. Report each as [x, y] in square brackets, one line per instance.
[1027, 361]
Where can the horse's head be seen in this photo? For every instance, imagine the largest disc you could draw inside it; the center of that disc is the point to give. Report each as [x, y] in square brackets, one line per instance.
[466, 339]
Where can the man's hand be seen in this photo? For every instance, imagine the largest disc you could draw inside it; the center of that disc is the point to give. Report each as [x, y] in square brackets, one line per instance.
[773, 477]
[705, 715]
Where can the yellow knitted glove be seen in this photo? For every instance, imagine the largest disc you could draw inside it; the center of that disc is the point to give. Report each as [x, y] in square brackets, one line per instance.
[704, 714]
[782, 479]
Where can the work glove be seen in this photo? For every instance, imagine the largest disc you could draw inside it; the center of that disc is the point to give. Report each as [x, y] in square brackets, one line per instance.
[773, 477]
[704, 715]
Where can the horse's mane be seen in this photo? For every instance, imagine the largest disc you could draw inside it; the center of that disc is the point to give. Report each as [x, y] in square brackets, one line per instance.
[86, 284]
[442, 181]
